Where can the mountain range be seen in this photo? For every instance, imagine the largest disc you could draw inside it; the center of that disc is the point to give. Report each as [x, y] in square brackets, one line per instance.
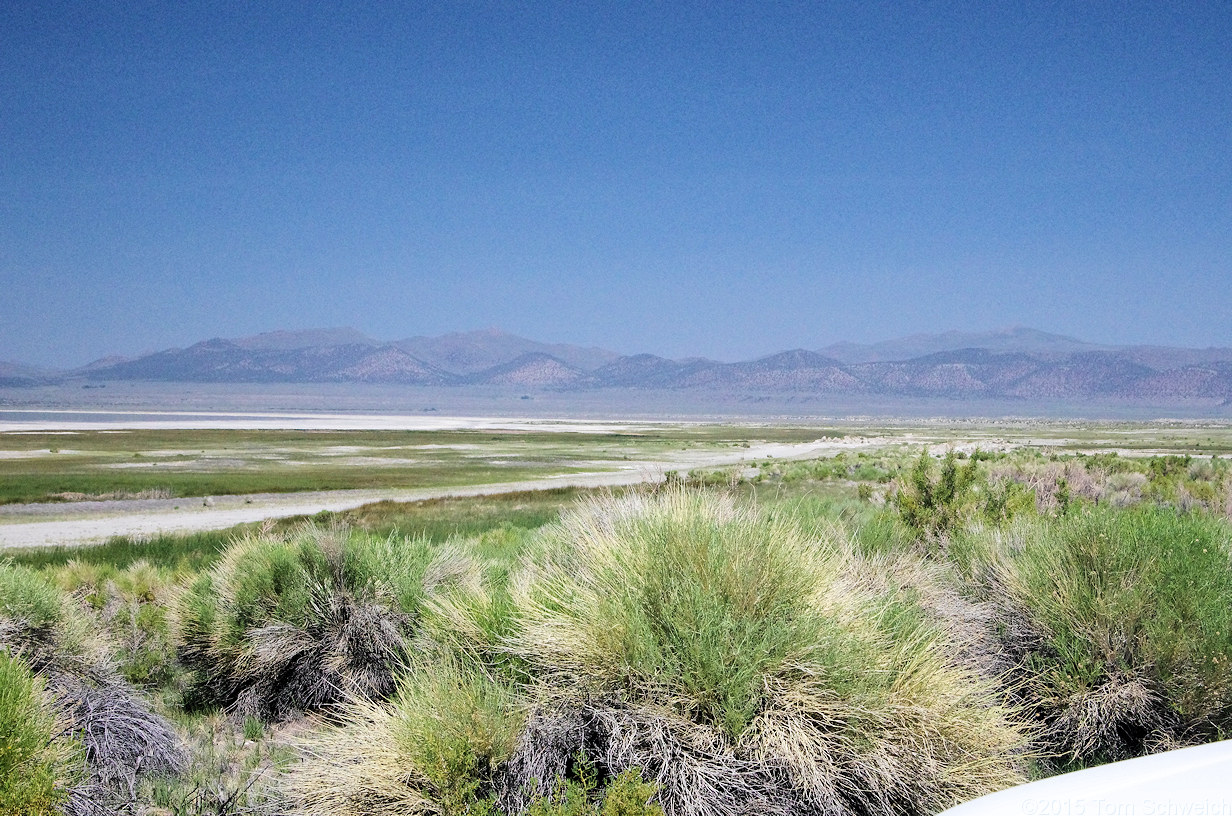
[1014, 364]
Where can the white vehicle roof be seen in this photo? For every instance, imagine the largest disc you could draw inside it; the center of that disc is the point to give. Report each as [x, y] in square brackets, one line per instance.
[1190, 782]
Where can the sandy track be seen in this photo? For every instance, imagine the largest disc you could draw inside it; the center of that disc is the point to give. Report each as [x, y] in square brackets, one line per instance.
[85, 522]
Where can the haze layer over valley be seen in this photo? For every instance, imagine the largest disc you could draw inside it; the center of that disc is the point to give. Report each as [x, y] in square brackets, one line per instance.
[1003, 372]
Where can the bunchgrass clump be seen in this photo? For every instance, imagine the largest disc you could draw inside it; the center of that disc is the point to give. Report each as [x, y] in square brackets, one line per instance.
[292, 623]
[437, 746]
[120, 738]
[39, 622]
[37, 761]
[1121, 621]
[744, 667]
[133, 605]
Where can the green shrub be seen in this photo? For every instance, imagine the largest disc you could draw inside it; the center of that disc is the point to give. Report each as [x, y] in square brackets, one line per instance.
[134, 606]
[435, 747]
[935, 505]
[630, 795]
[36, 763]
[292, 623]
[626, 794]
[1004, 499]
[120, 738]
[41, 623]
[744, 667]
[1122, 622]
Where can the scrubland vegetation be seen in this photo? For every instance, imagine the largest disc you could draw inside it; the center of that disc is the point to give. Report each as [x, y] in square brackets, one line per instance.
[886, 632]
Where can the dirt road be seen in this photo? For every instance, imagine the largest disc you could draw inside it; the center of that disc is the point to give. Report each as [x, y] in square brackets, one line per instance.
[85, 522]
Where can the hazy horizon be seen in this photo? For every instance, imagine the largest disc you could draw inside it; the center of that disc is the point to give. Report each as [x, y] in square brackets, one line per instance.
[705, 179]
[1002, 330]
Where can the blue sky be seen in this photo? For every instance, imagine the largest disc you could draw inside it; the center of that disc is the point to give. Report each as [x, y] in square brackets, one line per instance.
[719, 179]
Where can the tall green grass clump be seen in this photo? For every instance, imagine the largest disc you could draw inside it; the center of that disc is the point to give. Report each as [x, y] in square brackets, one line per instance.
[437, 746]
[291, 623]
[133, 604]
[121, 739]
[1122, 624]
[41, 623]
[36, 762]
[743, 667]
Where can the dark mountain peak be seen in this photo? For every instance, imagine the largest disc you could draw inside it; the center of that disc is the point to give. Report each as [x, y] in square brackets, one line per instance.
[638, 371]
[307, 338]
[970, 356]
[794, 359]
[1110, 362]
[640, 362]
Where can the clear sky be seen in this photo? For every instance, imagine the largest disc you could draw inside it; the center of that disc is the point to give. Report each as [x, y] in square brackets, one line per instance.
[719, 179]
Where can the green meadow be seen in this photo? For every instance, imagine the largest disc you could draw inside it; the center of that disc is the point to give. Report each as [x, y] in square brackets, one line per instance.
[180, 463]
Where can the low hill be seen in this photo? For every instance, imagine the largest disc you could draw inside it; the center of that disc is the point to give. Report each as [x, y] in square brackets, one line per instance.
[16, 375]
[533, 370]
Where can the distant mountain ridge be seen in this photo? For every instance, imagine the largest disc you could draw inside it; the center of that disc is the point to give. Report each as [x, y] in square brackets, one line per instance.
[1014, 339]
[1011, 364]
[472, 352]
[291, 340]
[16, 375]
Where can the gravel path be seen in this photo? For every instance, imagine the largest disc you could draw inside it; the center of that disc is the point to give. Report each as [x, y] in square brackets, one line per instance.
[35, 525]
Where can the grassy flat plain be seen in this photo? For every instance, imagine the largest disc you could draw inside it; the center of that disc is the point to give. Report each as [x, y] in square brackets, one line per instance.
[39, 467]
[68, 465]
